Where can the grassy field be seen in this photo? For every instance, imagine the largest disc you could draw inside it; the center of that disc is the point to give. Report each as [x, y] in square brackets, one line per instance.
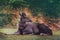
[29, 37]
[56, 36]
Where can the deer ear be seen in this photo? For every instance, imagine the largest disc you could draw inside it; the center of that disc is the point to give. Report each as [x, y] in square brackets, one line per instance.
[19, 14]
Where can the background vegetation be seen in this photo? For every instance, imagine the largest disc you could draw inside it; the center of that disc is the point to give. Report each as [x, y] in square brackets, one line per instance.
[50, 8]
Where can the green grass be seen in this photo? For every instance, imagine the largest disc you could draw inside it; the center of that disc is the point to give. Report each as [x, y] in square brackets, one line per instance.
[31, 37]
[56, 36]
[56, 32]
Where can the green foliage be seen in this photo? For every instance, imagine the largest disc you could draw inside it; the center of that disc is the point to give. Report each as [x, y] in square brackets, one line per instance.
[5, 19]
[49, 8]
[4, 2]
[18, 4]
